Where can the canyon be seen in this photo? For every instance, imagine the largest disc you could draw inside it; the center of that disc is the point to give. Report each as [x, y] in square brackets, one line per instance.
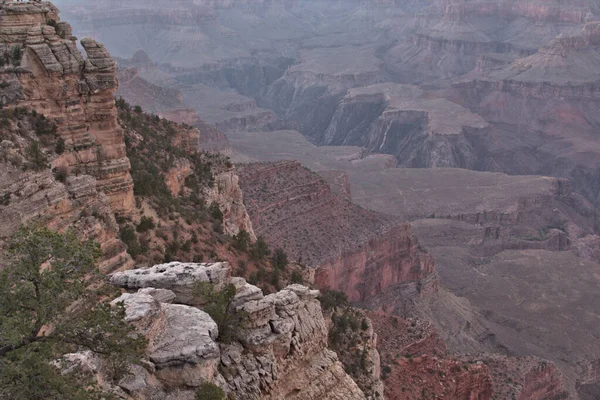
[440, 167]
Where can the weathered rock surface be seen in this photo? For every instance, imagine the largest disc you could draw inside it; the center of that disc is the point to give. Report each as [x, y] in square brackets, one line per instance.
[176, 276]
[54, 79]
[51, 77]
[181, 339]
[280, 352]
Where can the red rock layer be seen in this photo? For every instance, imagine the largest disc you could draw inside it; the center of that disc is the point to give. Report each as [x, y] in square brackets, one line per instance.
[360, 252]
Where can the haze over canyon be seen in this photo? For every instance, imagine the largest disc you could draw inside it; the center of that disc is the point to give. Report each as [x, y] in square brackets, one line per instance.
[437, 161]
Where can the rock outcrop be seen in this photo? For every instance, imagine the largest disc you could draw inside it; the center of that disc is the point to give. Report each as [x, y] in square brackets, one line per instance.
[175, 276]
[70, 101]
[53, 78]
[280, 351]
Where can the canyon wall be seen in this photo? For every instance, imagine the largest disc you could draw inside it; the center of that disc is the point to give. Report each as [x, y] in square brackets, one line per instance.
[68, 100]
[54, 79]
[353, 250]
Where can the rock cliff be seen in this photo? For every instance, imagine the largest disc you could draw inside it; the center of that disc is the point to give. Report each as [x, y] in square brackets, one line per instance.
[416, 364]
[280, 351]
[51, 76]
[63, 164]
[420, 131]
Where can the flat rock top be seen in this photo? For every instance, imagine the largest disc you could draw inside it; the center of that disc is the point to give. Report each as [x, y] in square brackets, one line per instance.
[338, 61]
[445, 191]
[171, 274]
[445, 117]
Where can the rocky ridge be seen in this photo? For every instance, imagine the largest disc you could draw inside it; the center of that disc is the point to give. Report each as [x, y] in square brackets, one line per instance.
[281, 350]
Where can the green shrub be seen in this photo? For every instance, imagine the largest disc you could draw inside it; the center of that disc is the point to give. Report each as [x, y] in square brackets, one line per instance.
[210, 391]
[60, 146]
[218, 305]
[34, 298]
[146, 224]
[215, 211]
[129, 237]
[279, 259]
[297, 277]
[260, 249]
[35, 156]
[364, 324]
[61, 173]
[241, 241]
[333, 299]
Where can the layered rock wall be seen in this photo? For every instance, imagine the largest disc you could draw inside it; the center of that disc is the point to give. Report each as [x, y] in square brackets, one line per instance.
[53, 78]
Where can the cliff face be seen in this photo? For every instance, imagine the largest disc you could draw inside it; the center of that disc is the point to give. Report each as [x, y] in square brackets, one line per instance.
[354, 250]
[53, 78]
[279, 352]
[60, 116]
[401, 120]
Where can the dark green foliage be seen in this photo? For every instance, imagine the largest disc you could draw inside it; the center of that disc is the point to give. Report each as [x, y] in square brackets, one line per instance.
[260, 249]
[43, 126]
[37, 159]
[332, 299]
[364, 325]
[146, 224]
[13, 56]
[297, 277]
[385, 372]
[215, 212]
[36, 328]
[60, 146]
[137, 109]
[16, 55]
[129, 237]
[156, 154]
[347, 320]
[210, 391]
[61, 173]
[241, 241]
[279, 259]
[122, 104]
[218, 306]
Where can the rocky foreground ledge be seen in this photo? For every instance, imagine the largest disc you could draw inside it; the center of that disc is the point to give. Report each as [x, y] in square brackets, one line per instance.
[280, 352]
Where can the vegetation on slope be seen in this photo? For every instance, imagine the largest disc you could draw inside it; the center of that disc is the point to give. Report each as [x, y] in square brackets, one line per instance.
[184, 226]
[51, 305]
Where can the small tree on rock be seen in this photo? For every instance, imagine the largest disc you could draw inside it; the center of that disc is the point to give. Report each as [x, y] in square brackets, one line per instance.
[48, 309]
[217, 304]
